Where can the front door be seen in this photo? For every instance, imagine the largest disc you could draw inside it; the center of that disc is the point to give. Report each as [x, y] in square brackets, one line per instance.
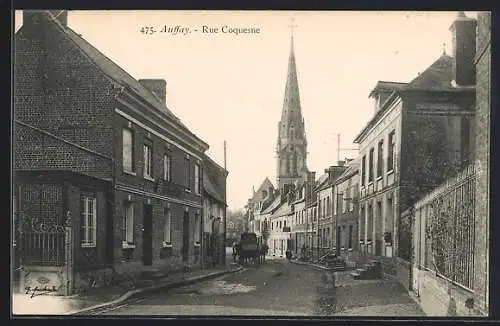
[147, 236]
[185, 237]
[339, 240]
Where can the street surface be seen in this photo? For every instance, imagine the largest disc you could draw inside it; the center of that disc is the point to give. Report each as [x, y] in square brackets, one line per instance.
[276, 287]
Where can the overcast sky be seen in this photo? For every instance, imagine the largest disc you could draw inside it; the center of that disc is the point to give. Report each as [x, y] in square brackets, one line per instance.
[231, 87]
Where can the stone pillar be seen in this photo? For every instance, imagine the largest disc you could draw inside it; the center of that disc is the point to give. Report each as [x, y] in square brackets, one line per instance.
[69, 256]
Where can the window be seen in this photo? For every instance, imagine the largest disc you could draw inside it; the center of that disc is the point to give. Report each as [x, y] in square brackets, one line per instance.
[197, 230]
[197, 179]
[128, 150]
[129, 223]
[363, 170]
[167, 168]
[88, 210]
[284, 224]
[328, 206]
[380, 158]
[187, 173]
[370, 167]
[167, 232]
[148, 161]
[390, 154]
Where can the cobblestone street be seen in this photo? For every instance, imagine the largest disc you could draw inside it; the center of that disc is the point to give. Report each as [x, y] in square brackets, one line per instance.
[277, 288]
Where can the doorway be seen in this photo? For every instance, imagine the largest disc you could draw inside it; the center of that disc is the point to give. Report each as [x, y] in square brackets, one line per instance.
[147, 236]
[185, 237]
[339, 240]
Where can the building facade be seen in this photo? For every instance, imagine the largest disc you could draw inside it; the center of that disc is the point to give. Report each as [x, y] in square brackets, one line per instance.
[482, 163]
[326, 207]
[214, 212]
[346, 212]
[101, 152]
[421, 134]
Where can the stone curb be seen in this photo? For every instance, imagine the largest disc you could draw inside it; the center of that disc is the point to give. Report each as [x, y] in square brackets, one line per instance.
[152, 289]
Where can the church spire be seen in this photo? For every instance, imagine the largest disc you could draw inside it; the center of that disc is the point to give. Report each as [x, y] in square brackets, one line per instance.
[291, 104]
[292, 144]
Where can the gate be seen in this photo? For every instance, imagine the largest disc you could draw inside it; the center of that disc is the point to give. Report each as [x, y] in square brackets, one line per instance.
[46, 257]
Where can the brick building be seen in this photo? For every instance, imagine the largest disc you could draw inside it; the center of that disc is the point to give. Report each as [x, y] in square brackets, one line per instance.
[345, 211]
[326, 206]
[482, 162]
[214, 212]
[421, 134]
[96, 147]
[450, 274]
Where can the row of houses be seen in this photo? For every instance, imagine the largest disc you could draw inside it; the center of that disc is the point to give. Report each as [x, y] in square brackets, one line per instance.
[105, 176]
[413, 197]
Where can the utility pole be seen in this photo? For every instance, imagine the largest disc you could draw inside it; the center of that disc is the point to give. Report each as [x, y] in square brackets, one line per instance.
[224, 236]
[343, 149]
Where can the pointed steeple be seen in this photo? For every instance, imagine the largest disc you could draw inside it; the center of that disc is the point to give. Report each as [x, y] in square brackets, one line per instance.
[292, 144]
[291, 104]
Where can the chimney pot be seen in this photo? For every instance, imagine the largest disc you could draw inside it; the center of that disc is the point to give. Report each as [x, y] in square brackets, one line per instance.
[464, 50]
[156, 86]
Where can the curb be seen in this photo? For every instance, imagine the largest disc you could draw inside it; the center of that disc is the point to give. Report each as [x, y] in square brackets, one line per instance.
[152, 289]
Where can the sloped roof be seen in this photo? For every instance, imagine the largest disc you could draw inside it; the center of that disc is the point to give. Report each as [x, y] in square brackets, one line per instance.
[352, 169]
[212, 176]
[114, 71]
[210, 188]
[274, 205]
[264, 186]
[386, 86]
[322, 181]
[437, 77]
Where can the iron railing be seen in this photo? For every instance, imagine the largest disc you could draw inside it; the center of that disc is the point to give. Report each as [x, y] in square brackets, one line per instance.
[43, 245]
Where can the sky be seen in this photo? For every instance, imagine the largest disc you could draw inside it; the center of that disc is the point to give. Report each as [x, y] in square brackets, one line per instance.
[228, 87]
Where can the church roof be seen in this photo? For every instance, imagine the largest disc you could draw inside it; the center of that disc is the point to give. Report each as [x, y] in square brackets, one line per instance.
[265, 185]
[291, 104]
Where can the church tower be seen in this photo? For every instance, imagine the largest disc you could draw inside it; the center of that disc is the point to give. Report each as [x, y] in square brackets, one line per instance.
[291, 148]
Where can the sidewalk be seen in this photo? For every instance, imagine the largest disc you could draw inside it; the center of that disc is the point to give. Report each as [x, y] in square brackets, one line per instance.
[379, 297]
[24, 304]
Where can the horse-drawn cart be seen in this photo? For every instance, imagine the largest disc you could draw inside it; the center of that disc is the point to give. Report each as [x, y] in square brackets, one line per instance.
[249, 249]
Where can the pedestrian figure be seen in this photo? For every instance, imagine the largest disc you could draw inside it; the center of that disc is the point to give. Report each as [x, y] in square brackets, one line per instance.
[234, 251]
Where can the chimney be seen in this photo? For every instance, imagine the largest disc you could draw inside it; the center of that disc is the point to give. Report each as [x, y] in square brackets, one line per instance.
[340, 163]
[157, 87]
[33, 17]
[463, 32]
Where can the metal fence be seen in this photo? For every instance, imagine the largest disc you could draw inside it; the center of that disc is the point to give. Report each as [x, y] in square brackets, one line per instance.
[445, 229]
[43, 245]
